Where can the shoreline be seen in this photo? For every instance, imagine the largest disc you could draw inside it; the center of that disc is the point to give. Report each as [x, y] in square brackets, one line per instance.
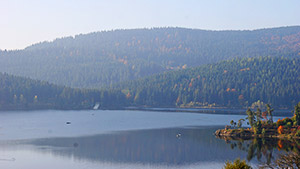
[246, 134]
[205, 110]
[213, 110]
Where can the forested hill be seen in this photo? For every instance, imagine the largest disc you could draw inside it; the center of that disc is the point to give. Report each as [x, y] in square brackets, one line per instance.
[103, 58]
[23, 93]
[234, 83]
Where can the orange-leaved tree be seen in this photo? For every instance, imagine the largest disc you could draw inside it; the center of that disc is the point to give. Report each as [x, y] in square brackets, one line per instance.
[280, 130]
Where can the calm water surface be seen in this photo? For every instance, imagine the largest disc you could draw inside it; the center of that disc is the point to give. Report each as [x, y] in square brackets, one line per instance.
[114, 139]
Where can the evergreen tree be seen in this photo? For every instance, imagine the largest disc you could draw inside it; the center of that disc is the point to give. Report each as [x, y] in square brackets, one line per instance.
[297, 113]
[258, 114]
[251, 117]
[270, 112]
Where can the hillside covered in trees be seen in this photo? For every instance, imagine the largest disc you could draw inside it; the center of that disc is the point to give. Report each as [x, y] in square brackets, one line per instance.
[23, 93]
[104, 58]
[233, 83]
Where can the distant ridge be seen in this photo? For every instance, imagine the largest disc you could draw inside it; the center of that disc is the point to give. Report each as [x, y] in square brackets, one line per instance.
[105, 58]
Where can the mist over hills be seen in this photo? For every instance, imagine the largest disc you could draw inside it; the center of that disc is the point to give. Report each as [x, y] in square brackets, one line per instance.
[106, 58]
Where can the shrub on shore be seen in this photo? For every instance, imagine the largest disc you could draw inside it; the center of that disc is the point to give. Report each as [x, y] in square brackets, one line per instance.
[237, 164]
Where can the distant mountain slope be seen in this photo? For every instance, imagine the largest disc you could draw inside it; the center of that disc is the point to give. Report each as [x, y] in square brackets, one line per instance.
[23, 93]
[103, 58]
[234, 83]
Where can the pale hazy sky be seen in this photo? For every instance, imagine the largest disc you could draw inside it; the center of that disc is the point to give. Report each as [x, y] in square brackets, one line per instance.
[24, 22]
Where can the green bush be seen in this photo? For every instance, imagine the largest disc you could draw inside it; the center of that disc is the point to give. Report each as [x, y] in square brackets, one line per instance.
[297, 133]
[293, 118]
[237, 164]
[289, 124]
[285, 121]
[257, 127]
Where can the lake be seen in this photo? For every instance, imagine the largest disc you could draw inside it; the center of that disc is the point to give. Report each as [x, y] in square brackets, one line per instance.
[116, 139]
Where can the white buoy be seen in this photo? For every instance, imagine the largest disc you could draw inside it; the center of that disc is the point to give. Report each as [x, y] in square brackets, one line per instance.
[178, 135]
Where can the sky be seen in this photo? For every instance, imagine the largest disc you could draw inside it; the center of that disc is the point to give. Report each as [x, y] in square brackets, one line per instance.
[25, 22]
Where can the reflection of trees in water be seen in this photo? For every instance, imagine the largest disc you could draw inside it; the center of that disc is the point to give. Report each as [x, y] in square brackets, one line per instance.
[152, 146]
[288, 160]
[265, 148]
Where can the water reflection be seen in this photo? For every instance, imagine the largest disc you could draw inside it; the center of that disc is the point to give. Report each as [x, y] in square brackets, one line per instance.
[226, 111]
[267, 151]
[156, 146]
[287, 160]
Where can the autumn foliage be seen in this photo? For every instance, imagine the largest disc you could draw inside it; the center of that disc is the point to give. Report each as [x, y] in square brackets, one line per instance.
[280, 130]
[279, 122]
[279, 145]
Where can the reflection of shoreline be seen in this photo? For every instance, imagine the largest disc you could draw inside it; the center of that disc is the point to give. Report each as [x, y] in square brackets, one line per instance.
[287, 160]
[205, 110]
[155, 146]
[10, 159]
[264, 149]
